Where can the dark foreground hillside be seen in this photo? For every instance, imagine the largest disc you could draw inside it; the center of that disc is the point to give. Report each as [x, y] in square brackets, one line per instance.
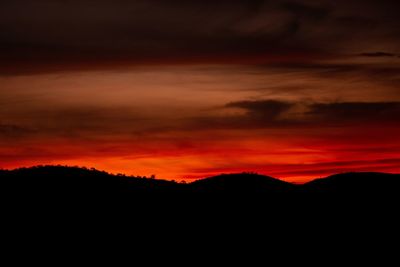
[240, 212]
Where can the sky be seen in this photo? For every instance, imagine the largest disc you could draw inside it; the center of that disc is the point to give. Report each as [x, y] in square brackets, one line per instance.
[189, 89]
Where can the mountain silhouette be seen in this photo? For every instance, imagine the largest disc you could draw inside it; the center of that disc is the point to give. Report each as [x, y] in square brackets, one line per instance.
[356, 184]
[75, 184]
[82, 199]
[241, 183]
[60, 181]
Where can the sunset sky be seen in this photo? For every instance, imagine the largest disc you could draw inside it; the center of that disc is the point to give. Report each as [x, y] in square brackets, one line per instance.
[188, 89]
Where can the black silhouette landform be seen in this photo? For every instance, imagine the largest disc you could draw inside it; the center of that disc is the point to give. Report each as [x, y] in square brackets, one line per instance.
[72, 183]
[77, 201]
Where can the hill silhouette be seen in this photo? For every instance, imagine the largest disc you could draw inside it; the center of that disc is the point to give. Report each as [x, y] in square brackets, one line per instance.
[60, 181]
[73, 183]
[356, 184]
[242, 183]
[81, 200]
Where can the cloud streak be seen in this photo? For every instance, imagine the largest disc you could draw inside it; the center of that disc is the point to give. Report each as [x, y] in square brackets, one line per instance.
[272, 113]
[75, 121]
[378, 54]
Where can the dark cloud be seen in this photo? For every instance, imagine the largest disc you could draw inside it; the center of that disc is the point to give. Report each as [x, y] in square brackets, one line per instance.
[14, 131]
[44, 35]
[356, 112]
[272, 113]
[378, 54]
[258, 114]
[270, 109]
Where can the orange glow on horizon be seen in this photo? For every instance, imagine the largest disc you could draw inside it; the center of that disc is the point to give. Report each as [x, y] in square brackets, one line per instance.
[278, 157]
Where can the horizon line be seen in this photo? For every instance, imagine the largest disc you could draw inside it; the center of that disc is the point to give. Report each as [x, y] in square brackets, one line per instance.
[191, 179]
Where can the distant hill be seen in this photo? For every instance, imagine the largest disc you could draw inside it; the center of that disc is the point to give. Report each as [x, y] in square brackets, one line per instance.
[356, 184]
[242, 183]
[74, 184]
[50, 197]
